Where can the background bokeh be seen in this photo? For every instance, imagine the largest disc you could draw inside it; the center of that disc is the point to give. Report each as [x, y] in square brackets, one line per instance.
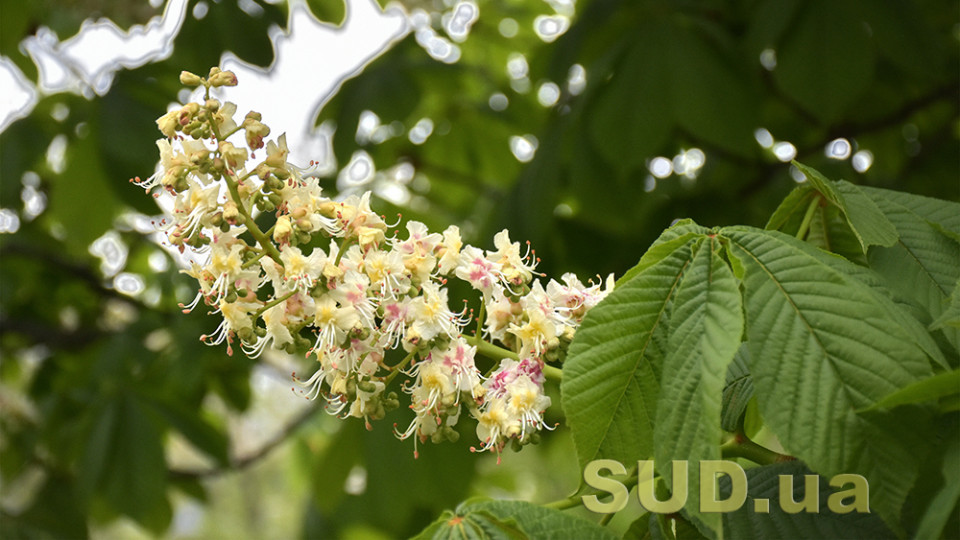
[586, 127]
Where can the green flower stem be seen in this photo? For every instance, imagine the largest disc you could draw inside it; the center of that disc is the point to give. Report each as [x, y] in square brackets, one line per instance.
[563, 504]
[252, 227]
[343, 249]
[552, 373]
[494, 352]
[577, 499]
[739, 446]
[478, 336]
[253, 261]
[397, 368]
[808, 217]
[274, 302]
[232, 187]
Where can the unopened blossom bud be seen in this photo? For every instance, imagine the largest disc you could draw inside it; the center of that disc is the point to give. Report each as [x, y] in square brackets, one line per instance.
[282, 230]
[367, 386]
[223, 78]
[200, 156]
[192, 126]
[212, 105]
[230, 212]
[187, 112]
[327, 209]
[263, 172]
[332, 272]
[190, 79]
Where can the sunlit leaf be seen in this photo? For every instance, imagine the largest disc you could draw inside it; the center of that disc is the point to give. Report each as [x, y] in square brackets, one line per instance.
[705, 329]
[814, 361]
[611, 375]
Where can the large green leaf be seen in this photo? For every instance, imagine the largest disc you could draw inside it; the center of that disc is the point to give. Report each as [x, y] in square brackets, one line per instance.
[611, 375]
[763, 484]
[631, 119]
[712, 95]
[705, 330]
[124, 465]
[922, 266]
[483, 519]
[825, 61]
[815, 359]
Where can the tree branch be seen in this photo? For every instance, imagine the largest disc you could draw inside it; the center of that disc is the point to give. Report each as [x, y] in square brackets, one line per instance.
[248, 460]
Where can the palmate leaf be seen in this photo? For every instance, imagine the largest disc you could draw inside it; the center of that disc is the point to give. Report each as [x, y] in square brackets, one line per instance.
[611, 375]
[706, 326]
[923, 265]
[486, 519]
[816, 358]
[763, 483]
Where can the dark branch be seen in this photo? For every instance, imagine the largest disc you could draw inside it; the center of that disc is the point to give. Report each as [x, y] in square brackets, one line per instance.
[248, 460]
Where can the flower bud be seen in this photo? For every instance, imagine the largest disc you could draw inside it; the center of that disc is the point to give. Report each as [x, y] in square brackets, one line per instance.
[230, 211]
[263, 172]
[327, 209]
[367, 386]
[212, 105]
[190, 79]
[223, 78]
[192, 126]
[282, 230]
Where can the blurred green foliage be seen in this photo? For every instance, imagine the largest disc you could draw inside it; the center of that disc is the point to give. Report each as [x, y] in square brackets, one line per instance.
[96, 382]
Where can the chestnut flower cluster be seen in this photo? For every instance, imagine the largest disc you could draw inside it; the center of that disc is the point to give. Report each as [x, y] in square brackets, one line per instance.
[289, 268]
